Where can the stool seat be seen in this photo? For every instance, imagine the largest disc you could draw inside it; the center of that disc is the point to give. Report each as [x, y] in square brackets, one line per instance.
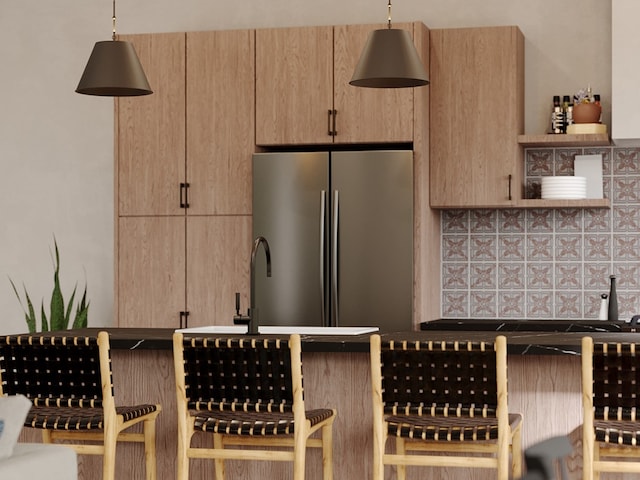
[75, 418]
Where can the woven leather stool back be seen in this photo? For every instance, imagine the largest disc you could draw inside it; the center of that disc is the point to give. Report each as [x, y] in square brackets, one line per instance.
[246, 374]
[49, 372]
[439, 378]
[611, 402]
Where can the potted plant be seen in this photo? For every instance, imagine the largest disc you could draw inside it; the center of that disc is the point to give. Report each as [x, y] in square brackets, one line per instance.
[585, 107]
[59, 316]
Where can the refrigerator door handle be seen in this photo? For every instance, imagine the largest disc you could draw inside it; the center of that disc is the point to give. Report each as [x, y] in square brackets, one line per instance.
[323, 216]
[334, 261]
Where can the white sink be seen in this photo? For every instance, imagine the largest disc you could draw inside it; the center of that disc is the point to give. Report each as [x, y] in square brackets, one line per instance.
[280, 330]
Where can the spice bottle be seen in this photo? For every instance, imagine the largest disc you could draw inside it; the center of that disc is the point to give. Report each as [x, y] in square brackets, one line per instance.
[613, 300]
[557, 116]
[567, 109]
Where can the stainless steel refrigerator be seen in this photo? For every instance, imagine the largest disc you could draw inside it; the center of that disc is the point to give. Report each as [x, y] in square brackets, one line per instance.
[340, 230]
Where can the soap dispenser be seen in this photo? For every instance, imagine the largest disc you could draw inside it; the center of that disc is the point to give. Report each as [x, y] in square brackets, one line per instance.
[604, 307]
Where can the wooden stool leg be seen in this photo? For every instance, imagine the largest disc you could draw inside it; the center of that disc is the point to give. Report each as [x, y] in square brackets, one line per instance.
[219, 462]
[401, 450]
[299, 453]
[109, 459]
[150, 448]
[516, 453]
[46, 436]
[327, 452]
[182, 464]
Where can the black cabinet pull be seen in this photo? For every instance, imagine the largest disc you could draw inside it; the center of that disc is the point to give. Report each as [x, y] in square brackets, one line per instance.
[510, 186]
[331, 125]
[184, 195]
[184, 319]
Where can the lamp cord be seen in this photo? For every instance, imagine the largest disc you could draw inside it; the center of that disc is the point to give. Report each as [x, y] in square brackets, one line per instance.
[113, 35]
[388, 14]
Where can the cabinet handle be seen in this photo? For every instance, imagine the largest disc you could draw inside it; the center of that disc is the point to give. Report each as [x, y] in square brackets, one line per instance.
[510, 186]
[184, 195]
[184, 319]
[335, 115]
[331, 125]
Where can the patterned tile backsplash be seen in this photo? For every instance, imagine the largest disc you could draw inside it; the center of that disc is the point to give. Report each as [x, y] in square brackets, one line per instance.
[547, 263]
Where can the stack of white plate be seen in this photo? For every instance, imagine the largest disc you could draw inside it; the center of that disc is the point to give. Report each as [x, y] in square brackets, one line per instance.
[564, 187]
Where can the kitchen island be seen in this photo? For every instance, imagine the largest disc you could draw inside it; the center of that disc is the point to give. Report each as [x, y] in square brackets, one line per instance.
[544, 385]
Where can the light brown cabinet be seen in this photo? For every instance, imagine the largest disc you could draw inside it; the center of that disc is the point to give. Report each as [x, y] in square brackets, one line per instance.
[183, 180]
[477, 113]
[303, 96]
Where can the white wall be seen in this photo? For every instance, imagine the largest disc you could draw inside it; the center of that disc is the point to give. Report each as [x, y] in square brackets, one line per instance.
[56, 147]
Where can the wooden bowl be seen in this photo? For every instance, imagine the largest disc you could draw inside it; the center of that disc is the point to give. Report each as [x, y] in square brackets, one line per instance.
[586, 113]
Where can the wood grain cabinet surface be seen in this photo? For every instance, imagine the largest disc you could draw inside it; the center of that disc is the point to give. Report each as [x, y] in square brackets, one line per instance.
[477, 113]
[303, 96]
[183, 180]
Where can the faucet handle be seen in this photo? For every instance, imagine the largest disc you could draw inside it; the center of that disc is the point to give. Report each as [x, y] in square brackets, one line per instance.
[239, 319]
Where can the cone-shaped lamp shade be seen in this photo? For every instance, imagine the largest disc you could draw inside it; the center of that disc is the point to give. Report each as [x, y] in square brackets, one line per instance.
[389, 60]
[114, 70]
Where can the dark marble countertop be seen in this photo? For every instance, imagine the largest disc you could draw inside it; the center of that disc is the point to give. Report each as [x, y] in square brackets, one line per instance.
[519, 342]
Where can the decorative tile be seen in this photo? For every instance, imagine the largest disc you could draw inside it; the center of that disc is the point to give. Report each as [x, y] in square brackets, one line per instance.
[568, 305]
[540, 276]
[511, 305]
[626, 189]
[482, 247]
[511, 247]
[455, 304]
[539, 162]
[455, 221]
[482, 221]
[455, 276]
[511, 276]
[625, 247]
[597, 220]
[626, 161]
[627, 275]
[568, 220]
[596, 276]
[540, 221]
[568, 247]
[455, 248]
[511, 221]
[483, 304]
[591, 304]
[483, 275]
[626, 219]
[597, 247]
[539, 305]
[628, 305]
[564, 159]
[568, 276]
[539, 247]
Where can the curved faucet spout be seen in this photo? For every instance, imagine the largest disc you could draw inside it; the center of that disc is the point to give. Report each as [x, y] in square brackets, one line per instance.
[253, 311]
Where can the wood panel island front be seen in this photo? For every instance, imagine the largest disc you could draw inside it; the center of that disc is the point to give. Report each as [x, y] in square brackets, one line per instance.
[544, 386]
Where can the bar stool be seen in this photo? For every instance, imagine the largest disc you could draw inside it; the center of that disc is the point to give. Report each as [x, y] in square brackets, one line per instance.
[248, 393]
[610, 405]
[446, 400]
[69, 381]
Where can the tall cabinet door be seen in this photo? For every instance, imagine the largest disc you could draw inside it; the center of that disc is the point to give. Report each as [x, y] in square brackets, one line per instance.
[294, 85]
[150, 131]
[477, 113]
[221, 121]
[218, 258]
[150, 289]
[367, 115]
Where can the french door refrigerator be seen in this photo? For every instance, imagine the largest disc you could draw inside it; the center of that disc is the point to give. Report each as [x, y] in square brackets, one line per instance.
[340, 230]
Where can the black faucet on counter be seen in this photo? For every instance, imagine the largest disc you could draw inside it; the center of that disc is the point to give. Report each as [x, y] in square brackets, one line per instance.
[251, 318]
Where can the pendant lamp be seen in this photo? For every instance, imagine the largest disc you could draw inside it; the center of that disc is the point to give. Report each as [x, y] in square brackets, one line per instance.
[389, 60]
[114, 70]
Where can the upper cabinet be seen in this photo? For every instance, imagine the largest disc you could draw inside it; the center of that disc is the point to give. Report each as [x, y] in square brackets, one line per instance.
[303, 96]
[187, 148]
[625, 44]
[477, 113]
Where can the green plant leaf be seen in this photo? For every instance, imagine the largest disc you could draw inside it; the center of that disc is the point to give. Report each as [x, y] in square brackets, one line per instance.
[82, 312]
[29, 315]
[45, 324]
